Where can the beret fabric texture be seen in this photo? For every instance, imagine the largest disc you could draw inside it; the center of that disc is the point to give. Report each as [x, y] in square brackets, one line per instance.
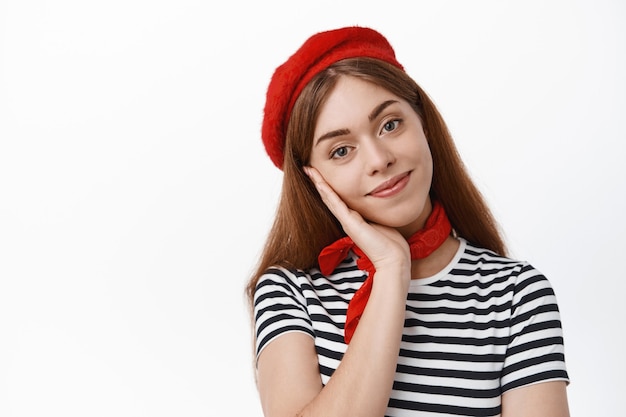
[316, 54]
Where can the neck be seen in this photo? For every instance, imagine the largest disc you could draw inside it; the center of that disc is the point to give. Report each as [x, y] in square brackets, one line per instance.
[436, 261]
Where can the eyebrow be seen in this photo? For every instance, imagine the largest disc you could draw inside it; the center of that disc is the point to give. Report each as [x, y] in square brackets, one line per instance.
[379, 109]
[373, 115]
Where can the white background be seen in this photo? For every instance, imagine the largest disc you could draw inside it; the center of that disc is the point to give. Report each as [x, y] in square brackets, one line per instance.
[135, 194]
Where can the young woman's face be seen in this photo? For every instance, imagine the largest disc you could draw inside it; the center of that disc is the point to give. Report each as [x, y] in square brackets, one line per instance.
[369, 145]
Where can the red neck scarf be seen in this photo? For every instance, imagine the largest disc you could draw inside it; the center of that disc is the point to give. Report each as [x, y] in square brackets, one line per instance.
[422, 243]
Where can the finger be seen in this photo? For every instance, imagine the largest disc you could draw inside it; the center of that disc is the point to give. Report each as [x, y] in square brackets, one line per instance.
[334, 203]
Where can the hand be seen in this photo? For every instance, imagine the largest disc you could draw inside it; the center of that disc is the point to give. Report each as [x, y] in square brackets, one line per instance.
[383, 245]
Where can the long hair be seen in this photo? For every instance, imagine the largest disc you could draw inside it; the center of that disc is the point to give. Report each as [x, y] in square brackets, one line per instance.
[303, 225]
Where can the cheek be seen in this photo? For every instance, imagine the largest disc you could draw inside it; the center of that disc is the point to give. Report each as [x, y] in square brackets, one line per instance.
[345, 185]
[428, 161]
[424, 156]
[340, 183]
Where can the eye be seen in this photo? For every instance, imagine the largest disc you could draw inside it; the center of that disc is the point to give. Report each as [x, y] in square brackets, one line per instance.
[340, 152]
[390, 126]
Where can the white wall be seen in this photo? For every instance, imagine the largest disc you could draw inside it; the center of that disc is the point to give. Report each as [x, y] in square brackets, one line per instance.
[135, 193]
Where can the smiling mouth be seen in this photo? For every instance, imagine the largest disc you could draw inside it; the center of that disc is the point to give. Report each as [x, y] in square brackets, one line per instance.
[391, 186]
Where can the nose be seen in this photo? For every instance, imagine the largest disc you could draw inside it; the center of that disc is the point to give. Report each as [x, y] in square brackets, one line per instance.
[377, 155]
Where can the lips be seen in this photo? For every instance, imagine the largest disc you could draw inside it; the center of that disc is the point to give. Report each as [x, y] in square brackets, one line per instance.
[391, 186]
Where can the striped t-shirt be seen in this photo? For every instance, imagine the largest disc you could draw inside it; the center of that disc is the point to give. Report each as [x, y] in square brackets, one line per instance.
[483, 325]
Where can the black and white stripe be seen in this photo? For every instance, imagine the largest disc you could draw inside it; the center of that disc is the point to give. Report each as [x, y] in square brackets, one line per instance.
[483, 325]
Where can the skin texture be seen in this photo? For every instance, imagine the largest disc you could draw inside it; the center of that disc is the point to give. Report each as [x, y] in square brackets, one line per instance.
[366, 137]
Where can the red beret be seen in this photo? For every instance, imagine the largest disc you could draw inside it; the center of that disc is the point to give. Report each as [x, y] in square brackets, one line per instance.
[316, 54]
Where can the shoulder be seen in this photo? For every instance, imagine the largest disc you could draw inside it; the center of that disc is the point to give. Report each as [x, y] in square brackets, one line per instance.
[281, 280]
[306, 279]
[527, 285]
[489, 270]
[479, 257]
[485, 261]
[280, 305]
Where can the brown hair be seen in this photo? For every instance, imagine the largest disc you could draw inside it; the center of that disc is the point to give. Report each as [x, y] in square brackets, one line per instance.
[304, 226]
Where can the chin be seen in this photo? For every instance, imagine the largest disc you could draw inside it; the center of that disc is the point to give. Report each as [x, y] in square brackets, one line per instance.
[399, 222]
[409, 220]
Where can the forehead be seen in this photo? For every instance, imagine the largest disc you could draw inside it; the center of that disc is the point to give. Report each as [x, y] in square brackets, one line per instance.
[352, 99]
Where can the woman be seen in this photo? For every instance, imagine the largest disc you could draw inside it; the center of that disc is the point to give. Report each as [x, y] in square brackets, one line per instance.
[384, 286]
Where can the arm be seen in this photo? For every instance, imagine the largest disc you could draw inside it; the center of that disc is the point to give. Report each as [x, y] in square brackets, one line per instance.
[288, 375]
[545, 399]
[535, 352]
[289, 379]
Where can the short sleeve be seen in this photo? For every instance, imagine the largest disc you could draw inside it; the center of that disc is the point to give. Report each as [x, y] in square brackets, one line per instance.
[536, 351]
[279, 307]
